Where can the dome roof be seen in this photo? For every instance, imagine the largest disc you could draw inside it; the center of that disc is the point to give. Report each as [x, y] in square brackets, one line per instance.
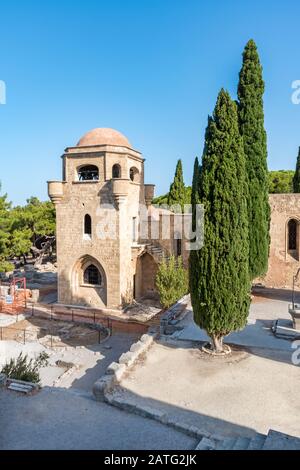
[103, 136]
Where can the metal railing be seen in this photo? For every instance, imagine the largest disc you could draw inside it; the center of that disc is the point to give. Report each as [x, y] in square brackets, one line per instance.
[102, 326]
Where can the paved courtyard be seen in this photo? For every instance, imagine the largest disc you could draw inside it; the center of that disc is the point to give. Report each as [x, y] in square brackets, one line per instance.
[66, 419]
[254, 390]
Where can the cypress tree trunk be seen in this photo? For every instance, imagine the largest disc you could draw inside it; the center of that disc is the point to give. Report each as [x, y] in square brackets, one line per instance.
[296, 179]
[219, 272]
[251, 123]
[177, 188]
[217, 343]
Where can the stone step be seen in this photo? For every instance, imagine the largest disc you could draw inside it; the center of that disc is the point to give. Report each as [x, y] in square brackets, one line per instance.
[279, 441]
[20, 388]
[241, 443]
[205, 444]
[20, 384]
[227, 443]
[257, 442]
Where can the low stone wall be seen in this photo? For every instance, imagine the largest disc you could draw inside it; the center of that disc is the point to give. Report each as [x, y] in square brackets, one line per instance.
[116, 370]
[2, 380]
[170, 317]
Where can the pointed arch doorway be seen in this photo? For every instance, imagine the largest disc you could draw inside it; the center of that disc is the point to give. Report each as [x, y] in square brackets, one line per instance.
[144, 279]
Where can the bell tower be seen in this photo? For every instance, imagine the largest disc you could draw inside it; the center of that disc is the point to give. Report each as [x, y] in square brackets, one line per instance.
[97, 206]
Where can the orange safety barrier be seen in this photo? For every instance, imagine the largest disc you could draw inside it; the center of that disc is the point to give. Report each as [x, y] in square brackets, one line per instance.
[18, 295]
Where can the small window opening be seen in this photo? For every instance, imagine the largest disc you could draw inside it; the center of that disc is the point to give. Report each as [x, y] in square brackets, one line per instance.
[87, 225]
[88, 173]
[116, 171]
[133, 174]
[92, 276]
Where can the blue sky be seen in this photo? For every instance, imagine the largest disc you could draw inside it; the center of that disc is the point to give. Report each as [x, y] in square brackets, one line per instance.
[149, 68]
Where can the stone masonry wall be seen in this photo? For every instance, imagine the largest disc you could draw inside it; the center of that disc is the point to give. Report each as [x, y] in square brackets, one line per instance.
[282, 264]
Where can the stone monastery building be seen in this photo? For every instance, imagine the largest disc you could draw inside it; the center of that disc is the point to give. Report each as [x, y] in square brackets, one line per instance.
[107, 253]
[104, 258]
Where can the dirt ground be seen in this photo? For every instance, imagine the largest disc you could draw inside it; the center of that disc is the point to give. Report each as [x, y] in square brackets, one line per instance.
[52, 333]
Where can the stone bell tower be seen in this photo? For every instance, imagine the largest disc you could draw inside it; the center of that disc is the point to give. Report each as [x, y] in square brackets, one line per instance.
[97, 210]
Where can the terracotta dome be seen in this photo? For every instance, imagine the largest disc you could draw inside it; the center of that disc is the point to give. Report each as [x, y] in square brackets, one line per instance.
[103, 136]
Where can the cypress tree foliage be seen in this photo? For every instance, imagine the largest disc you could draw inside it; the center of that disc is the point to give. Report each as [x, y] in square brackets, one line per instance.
[195, 183]
[177, 188]
[296, 179]
[195, 193]
[219, 271]
[251, 122]
[194, 266]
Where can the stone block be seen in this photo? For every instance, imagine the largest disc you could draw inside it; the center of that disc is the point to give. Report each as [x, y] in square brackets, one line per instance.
[2, 380]
[135, 347]
[127, 358]
[102, 386]
[152, 413]
[147, 339]
[35, 294]
[117, 370]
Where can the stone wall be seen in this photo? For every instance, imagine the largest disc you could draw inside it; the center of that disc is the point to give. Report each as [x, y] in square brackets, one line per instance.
[283, 263]
[111, 254]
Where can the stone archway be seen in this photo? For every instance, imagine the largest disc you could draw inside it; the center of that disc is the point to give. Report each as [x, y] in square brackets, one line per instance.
[146, 270]
[83, 292]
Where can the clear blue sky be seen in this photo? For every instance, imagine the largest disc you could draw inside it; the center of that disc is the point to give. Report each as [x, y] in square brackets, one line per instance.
[149, 68]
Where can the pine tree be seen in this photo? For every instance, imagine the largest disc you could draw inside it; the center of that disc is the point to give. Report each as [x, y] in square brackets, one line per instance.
[177, 189]
[296, 179]
[251, 122]
[219, 274]
[5, 226]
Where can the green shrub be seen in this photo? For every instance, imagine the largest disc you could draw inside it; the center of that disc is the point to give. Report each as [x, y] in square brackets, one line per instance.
[24, 368]
[171, 281]
[5, 266]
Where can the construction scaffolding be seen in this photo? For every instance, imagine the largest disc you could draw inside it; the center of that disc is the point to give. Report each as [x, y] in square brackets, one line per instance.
[13, 297]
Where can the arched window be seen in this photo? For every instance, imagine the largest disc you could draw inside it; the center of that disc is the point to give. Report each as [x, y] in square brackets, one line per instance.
[134, 174]
[88, 225]
[88, 173]
[292, 234]
[92, 276]
[116, 171]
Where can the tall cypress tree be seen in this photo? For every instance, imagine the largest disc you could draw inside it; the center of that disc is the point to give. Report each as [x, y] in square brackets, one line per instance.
[251, 122]
[296, 179]
[177, 188]
[219, 271]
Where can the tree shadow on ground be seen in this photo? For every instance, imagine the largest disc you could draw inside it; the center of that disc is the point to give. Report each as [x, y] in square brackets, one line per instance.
[257, 339]
[118, 343]
[59, 419]
[276, 294]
